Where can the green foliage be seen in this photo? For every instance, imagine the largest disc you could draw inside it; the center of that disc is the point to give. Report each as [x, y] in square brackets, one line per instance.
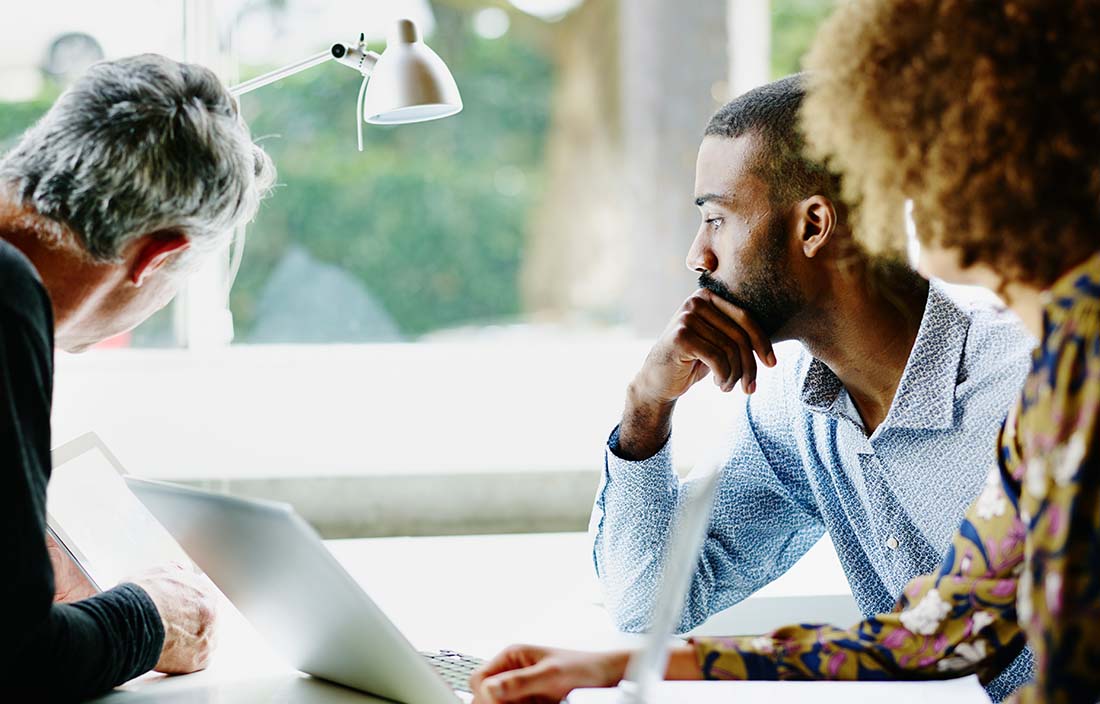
[794, 23]
[429, 217]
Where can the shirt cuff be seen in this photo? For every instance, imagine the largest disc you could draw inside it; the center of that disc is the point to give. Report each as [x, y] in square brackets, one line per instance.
[613, 448]
[616, 465]
[649, 481]
[148, 633]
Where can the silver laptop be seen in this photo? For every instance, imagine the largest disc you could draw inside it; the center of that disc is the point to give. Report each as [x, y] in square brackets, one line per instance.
[265, 558]
[274, 568]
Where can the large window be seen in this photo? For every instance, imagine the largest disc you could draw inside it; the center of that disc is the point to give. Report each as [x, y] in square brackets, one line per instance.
[441, 327]
[422, 233]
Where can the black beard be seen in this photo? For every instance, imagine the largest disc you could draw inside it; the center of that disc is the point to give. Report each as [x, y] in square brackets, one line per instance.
[770, 306]
[768, 293]
[722, 291]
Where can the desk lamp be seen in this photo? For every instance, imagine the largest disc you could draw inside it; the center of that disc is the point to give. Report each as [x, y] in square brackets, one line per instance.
[407, 82]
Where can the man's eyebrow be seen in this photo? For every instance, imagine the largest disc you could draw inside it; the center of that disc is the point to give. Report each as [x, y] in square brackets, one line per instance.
[702, 200]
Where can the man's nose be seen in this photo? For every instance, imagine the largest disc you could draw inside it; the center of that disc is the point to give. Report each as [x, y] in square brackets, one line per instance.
[700, 258]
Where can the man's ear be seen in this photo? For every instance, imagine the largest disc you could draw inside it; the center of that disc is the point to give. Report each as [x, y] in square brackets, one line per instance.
[816, 224]
[154, 251]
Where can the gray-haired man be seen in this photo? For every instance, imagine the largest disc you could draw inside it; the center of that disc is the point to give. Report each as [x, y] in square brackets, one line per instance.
[136, 172]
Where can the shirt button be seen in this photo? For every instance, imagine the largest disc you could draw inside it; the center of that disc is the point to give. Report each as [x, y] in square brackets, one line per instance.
[892, 543]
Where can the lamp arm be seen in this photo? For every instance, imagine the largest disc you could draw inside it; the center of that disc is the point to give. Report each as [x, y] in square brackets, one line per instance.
[357, 57]
[280, 73]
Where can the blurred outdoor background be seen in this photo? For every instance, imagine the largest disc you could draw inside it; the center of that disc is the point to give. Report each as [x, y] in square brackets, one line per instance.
[432, 335]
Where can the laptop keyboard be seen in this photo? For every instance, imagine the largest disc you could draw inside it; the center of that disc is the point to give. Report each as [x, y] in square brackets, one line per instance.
[454, 668]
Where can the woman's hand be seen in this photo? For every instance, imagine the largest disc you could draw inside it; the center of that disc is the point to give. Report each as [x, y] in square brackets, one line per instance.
[530, 673]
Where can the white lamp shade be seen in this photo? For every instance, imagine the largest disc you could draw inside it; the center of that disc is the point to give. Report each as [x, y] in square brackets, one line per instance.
[410, 83]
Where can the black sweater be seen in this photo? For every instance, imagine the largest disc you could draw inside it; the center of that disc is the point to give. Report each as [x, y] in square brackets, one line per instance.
[48, 651]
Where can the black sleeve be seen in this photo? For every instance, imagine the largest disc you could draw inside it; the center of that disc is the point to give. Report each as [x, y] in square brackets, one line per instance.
[48, 651]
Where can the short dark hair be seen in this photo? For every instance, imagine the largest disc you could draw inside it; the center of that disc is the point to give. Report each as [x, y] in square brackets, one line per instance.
[771, 112]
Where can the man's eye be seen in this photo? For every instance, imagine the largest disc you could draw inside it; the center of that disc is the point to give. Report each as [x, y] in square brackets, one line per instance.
[714, 223]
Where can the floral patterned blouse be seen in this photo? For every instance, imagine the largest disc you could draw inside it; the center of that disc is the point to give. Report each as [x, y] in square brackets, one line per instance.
[1026, 558]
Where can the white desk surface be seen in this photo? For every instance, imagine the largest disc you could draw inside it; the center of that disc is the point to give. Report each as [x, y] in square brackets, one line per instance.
[965, 690]
[475, 594]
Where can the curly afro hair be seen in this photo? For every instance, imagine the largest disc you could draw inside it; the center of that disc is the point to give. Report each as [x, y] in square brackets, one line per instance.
[986, 113]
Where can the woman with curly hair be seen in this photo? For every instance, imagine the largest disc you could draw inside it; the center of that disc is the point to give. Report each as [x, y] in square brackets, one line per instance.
[985, 115]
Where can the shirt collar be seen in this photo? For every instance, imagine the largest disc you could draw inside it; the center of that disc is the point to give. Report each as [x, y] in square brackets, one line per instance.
[820, 387]
[925, 399]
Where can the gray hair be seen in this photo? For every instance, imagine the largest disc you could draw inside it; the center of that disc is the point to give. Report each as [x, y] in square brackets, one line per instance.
[140, 145]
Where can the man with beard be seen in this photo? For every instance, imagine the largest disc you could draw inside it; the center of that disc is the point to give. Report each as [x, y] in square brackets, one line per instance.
[878, 428]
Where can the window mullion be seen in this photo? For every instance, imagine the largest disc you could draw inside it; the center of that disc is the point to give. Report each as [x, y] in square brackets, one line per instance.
[202, 317]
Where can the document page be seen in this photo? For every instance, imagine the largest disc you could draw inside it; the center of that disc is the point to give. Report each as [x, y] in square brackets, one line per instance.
[100, 520]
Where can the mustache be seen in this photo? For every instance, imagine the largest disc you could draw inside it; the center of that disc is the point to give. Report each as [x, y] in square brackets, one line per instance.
[720, 289]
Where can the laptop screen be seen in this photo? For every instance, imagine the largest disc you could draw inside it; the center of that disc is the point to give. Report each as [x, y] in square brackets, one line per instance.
[98, 519]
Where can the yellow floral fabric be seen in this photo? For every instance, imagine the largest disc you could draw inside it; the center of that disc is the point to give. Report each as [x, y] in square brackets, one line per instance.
[1025, 559]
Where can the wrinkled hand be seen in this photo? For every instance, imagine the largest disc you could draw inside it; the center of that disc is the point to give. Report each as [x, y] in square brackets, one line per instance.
[187, 602]
[69, 582]
[529, 673]
[708, 335]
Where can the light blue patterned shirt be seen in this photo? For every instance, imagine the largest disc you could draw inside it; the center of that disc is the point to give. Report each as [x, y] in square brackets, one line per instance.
[801, 464]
